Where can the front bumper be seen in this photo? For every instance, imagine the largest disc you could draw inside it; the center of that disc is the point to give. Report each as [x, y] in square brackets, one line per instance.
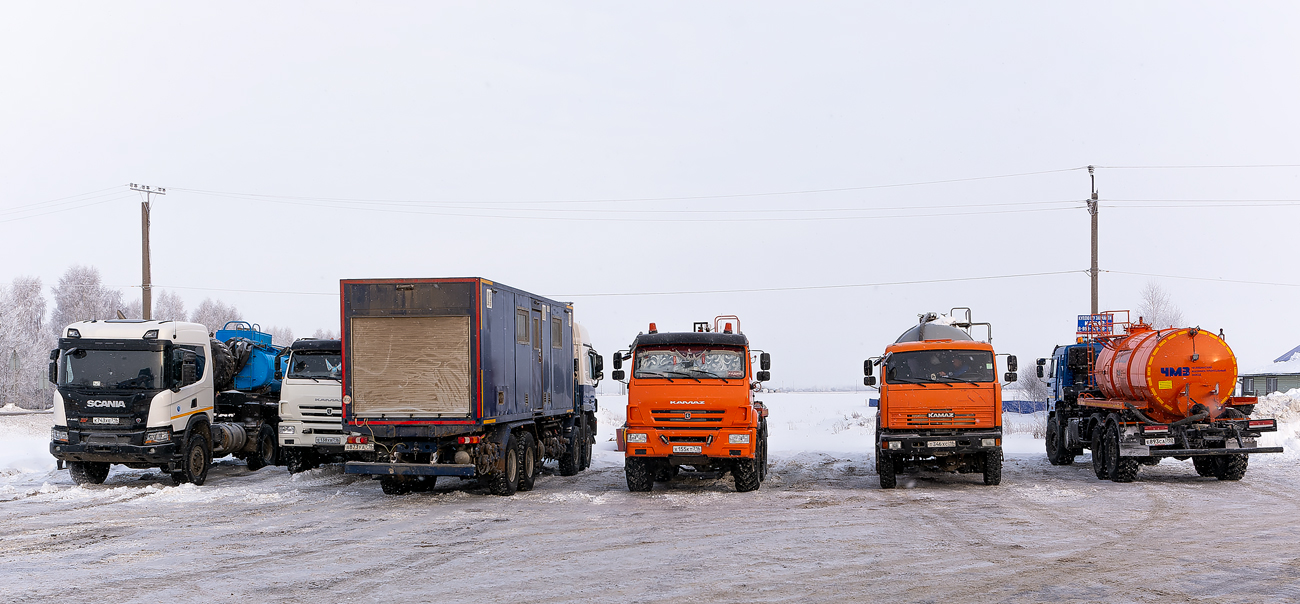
[164, 453]
[331, 441]
[929, 445]
[679, 443]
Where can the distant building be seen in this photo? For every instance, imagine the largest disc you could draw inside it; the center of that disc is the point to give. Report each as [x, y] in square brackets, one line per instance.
[1284, 375]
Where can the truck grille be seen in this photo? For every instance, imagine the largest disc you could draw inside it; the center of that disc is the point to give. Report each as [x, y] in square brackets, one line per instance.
[688, 439]
[941, 417]
[693, 416]
[321, 411]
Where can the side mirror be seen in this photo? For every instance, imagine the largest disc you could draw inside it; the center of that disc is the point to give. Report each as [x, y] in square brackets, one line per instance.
[1011, 363]
[279, 368]
[765, 361]
[1009, 377]
[866, 368]
[619, 375]
[1040, 370]
[869, 380]
[764, 376]
[54, 354]
[54, 372]
[1042, 362]
[600, 365]
[618, 361]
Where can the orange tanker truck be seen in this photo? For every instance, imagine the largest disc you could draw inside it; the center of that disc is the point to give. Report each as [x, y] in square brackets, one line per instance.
[690, 404]
[940, 400]
[1135, 395]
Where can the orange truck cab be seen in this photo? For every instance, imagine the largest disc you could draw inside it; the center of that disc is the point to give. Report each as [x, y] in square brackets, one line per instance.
[940, 401]
[690, 403]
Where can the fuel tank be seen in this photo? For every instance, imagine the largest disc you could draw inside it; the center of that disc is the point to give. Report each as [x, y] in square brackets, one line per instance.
[1171, 370]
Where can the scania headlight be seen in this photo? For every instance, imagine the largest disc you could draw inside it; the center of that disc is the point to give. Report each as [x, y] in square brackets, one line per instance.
[738, 439]
[59, 434]
[286, 429]
[158, 436]
[635, 437]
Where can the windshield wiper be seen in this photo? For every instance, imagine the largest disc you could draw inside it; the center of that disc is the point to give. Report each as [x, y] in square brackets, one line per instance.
[943, 379]
[710, 374]
[653, 373]
[674, 371]
[899, 380]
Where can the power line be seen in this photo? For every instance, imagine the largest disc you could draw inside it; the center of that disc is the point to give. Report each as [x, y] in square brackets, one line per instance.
[1216, 280]
[1190, 167]
[94, 203]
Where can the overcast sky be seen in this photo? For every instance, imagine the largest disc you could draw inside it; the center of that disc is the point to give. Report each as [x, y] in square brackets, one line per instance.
[572, 149]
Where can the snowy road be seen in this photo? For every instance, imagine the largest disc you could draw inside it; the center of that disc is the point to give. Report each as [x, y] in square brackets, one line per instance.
[818, 530]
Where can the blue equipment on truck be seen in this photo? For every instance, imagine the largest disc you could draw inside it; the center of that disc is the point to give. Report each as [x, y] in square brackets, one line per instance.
[464, 377]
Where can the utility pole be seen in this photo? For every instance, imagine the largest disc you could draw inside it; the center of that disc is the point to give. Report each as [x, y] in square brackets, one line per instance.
[1092, 209]
[146, 292]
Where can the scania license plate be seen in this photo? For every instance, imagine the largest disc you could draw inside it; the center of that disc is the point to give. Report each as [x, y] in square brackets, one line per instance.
[359, 447]
[106, 420]
[1154, 442]
[941, 443]
[327, 440]
[688, 449]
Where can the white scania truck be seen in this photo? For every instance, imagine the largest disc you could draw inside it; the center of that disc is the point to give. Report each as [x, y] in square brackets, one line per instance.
[162, 394]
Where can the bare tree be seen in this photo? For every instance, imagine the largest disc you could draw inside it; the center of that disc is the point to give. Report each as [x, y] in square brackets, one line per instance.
[168, 307]
[1157, 309]
[80, 296]
[324, 334]
[214, 314]
[134, 309]
[280, 336]
[24, 344]
[1033, 386]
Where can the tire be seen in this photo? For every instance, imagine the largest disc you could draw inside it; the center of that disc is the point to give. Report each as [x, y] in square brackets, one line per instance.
[762, 456]
[528, 459]
[885, 467]
[745, 472]
[223, 366]
[572, 452]
[506, 482]
[1099, 465]
[993, 467]
[588, 443]
[1204, 465]
[1231, 466]
[1119, 469]
[1057, 453]
[88, 472]
[640, 475]
[264, 451]
[195, 460]
[1150, 461]
[421, 484]
[394, 485]
[299, 459]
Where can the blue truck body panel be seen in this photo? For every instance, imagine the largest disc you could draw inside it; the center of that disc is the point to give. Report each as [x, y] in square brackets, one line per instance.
[258, 372]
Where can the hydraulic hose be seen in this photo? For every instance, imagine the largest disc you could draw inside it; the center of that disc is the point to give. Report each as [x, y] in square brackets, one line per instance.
[1141, 416]
[1194, 418]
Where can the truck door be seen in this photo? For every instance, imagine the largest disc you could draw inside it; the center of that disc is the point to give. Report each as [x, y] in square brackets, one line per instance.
[537, 386]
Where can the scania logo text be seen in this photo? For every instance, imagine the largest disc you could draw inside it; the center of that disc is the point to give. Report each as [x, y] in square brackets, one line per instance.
[97, 403]
[685, 402]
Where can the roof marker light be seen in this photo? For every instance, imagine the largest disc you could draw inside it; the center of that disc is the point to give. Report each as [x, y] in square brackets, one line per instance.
[727, 328]
[653, 329]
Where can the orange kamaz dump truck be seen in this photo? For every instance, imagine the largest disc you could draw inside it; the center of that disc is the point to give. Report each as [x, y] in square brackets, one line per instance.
[690, 404]
[940, 401]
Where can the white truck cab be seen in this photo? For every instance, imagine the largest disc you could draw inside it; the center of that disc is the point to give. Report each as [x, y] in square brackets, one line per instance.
[311, 404]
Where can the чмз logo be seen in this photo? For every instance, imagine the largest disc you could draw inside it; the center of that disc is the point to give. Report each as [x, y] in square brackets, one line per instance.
[99, 403]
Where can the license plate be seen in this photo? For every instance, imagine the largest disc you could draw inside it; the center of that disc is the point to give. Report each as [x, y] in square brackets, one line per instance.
[106, 420]
[688, 449]
[327, 440]
[1155, 442]
[359, 447]
[941, 443]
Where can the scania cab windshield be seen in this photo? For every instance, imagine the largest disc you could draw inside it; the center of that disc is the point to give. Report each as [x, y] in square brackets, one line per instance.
[690, 362]
[137, 369]
[939, 366]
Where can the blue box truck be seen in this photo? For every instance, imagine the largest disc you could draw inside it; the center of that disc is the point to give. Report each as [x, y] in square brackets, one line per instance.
[464, 377]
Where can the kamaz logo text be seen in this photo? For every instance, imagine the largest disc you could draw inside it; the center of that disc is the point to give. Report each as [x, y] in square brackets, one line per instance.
[1175, 371]
[121, 404]
[685, 402]
[947, 414]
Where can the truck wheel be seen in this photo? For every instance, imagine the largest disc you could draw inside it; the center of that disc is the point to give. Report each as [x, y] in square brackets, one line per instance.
[1057, 453]
[589, 428]
[569, 459]
[299, 459]
[264, 451]
[196, 457]
[746, 473]
[527, 461]
[1230, 467]
[506, 482]
[223, 366]
[762, 455]
[640, 476]
[421, 484]
[993, 467]
[1120, 469]
[88, 472]
[885, 467]
[1099, 466]
[394, 485]
[1204, 465]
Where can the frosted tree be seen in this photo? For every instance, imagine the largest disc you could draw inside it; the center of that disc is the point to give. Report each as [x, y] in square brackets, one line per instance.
[1033, 386]
[324, 334]
[81, 296]
[1157, 309]
[214, 314]
[280, 336]
[168, 307]
[134, 309]
[25, 342]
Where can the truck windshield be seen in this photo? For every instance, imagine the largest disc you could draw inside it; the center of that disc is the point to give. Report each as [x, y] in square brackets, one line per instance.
[929, 366]
[316, 365]
[111, 368]
[689, 361]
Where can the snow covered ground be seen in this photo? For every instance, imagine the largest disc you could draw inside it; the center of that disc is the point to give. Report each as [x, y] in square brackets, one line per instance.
[818, 530]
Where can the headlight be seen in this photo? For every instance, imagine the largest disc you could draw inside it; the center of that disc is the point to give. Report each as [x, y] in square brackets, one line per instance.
[59, 435]
[895, 445]
[635, 437]
[158, 436]
[989, 442]
[738, 439]
[286, 429]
